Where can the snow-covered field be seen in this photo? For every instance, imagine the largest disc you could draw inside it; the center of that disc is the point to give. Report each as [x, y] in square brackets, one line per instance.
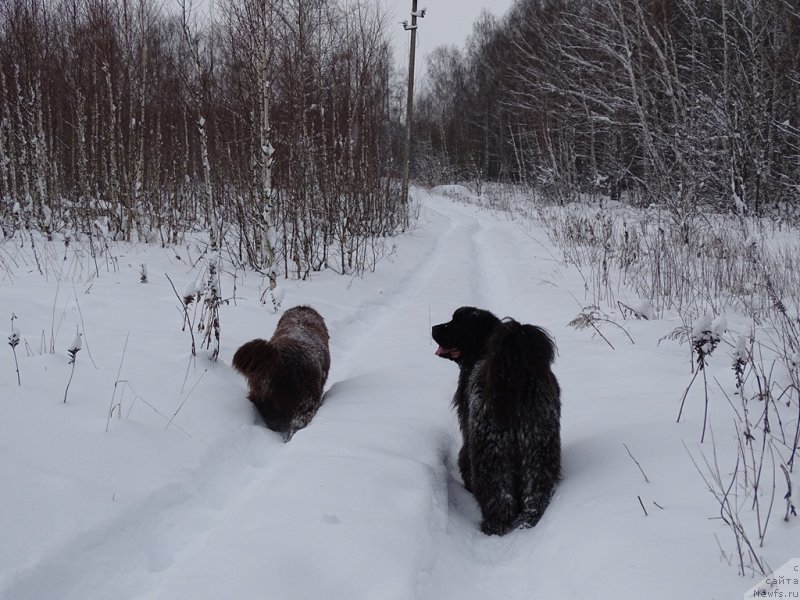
[182, 494]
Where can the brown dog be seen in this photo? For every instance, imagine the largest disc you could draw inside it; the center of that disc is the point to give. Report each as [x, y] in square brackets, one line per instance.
[286, 374]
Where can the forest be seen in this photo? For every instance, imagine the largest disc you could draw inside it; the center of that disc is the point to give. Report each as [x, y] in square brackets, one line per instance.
[138, 121]
[280, 120]
[683, 103]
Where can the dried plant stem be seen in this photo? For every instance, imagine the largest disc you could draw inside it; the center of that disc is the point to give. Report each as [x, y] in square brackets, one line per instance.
[728, 511]
[209, 317]
[16, 364]
[637, 462]
[762, 527]
[53, 321]
[73, 355]
[180, 406]
[13, 341]
[642, 505]
[83, 328]
[117, 381]
[701, 366]
[71, 373]
[705, 410]
[589, 316]
[686, 393]
[796, 443]
[186, 320]
[790, 509]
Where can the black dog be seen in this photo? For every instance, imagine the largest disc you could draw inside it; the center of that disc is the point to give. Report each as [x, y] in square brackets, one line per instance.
[509, 409]
[286, 375]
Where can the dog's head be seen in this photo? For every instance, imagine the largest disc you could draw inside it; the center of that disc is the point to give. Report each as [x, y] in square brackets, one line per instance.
[463, 339]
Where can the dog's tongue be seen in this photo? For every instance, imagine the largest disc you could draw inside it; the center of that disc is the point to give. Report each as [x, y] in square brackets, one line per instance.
[447, 352]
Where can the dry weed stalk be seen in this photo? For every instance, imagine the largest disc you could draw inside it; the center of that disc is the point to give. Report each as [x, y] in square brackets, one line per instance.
[13, 341]
[191, 296]
[209, 322]
[591, 316]
[73, 354]
[706, 336]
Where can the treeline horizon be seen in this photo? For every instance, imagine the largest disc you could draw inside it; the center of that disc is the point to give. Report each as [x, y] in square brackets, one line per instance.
[282, 119]
[686, 103]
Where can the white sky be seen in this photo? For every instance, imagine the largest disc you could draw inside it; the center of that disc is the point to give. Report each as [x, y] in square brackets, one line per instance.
[446, 22]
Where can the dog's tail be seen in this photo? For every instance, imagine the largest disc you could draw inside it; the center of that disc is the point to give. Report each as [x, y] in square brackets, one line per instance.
[517, 361]
[253, 357]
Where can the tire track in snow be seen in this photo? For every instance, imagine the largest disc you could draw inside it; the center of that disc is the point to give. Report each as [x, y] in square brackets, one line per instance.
[468, 564]
[399, 443]
[504, 269]
[133, 552]
[505, 266]
[477, 294]
[494, 250]
[348, 332]
[455, 515]
[111, 560]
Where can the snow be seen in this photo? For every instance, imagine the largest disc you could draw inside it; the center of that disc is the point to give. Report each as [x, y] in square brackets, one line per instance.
[719, 325]
[76, 344]
[182, 494]
[703, 327]
[644, 309]
[707, 331]
[739, 354]
[453, 191]
[193, 288]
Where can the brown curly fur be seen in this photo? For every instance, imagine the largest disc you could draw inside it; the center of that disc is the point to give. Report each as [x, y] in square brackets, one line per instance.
[286, 375]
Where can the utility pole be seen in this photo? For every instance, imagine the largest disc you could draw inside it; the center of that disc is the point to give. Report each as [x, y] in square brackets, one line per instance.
[410, 99]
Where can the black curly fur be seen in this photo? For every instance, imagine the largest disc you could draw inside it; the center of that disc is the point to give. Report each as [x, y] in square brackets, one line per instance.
[509, 410]
[286, 375]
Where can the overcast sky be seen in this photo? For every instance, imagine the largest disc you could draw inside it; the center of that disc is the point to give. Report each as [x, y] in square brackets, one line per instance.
[446, 22]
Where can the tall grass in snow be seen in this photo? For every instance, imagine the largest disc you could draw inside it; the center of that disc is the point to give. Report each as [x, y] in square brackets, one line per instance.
[714, 261]
[695, 269]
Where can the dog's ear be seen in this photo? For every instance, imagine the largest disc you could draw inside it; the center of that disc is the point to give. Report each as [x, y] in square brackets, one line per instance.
[253, 357]
[541, 348]
[479, 330]
[517, 355]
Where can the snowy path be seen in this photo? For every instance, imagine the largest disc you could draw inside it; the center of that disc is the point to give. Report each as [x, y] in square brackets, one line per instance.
[365, 503]
[348, 507]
